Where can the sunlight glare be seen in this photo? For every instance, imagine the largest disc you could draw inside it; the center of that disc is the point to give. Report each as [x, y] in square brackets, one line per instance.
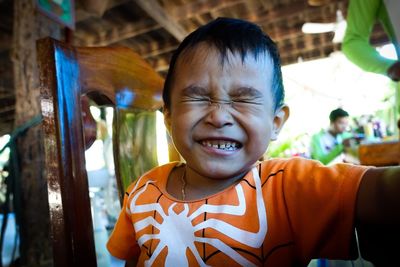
[162, 144]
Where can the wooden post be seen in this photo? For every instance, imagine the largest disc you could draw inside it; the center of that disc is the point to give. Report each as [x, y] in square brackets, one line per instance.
[29, 25]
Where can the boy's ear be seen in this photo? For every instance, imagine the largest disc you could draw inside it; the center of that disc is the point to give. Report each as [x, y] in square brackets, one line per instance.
[281, 115]
[167, 119]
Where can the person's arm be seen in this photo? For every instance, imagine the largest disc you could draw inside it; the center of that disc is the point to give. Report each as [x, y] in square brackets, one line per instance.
[394, 72]
[361, 17]
[131, 263]
[318, 153]
[378, 216]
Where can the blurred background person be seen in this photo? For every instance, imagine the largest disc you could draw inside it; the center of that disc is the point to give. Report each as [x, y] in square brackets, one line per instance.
[328, 145]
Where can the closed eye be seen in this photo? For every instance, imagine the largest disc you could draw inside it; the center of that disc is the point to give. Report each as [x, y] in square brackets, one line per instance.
[247, 101]
[193, 99]
[247, 95]
[195, 94]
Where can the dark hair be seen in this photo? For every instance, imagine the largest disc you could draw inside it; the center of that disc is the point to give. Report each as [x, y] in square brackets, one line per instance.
[337, 113]
[234, 35]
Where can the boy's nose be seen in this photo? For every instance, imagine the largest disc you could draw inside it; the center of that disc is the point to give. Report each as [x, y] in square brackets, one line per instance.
[219, 115]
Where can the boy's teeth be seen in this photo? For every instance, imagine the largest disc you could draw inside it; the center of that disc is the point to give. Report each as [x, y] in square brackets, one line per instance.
[224, 145]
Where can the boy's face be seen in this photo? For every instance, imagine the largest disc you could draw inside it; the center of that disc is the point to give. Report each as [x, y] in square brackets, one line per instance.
[222, 140]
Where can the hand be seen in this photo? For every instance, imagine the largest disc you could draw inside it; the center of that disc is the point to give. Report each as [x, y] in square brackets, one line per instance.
[394, 72]
[349, 142]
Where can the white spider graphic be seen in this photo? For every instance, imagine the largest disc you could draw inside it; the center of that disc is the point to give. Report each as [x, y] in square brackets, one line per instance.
[177, 232]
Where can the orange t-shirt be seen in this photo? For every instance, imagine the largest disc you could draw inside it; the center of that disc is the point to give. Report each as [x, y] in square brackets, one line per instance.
[284, 212]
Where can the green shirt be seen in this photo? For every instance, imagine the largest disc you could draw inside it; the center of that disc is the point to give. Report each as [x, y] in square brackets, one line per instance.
[325, 147]
[361, 17]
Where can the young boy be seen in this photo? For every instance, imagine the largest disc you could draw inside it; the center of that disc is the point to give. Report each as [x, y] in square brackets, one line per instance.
[223, 100]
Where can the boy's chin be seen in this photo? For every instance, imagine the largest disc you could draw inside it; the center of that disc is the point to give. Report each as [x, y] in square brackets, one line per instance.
[223, 172]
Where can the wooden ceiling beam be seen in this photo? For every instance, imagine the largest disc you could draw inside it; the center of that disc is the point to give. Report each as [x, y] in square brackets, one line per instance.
[308, 54]
[115, 34]
[5, 119]
[284, 34]
[81, 14]
[7, 109]
[157, 52]
[295, 8]
[158, 13]
[128, 31]
[278, 36]
[162, 67]
[118, 33]
[167, 47]
[280, 13]
[149, 48]
[8, 96]
[196, 9]
[200, 7]
[6, 125]
[160, 63]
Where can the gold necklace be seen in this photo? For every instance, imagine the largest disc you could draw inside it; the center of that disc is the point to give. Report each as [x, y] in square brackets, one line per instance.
[183, 180]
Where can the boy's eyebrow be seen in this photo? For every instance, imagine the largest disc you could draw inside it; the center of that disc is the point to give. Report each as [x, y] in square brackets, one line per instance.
[194, 90]
[246, 91]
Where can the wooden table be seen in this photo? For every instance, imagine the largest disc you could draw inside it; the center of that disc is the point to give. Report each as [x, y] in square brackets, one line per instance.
[383, 153]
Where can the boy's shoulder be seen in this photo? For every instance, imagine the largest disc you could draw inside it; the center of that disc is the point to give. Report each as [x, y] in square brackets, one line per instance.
[303, 167]
[293, 162]
[293, 165]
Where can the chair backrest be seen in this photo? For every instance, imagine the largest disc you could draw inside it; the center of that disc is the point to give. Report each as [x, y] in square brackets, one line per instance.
[113, 76]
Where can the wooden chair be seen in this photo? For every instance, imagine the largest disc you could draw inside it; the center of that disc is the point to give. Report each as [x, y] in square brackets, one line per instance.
[110, 76]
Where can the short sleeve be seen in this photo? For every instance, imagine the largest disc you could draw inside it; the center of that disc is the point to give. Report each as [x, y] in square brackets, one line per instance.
[122, 242]
[321, 205]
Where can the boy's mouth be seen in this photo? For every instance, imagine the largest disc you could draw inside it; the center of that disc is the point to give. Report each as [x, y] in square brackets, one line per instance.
[222, 144]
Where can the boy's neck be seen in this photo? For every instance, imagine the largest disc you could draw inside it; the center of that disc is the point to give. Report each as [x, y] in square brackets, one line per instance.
[184, 182]
[332, 132]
